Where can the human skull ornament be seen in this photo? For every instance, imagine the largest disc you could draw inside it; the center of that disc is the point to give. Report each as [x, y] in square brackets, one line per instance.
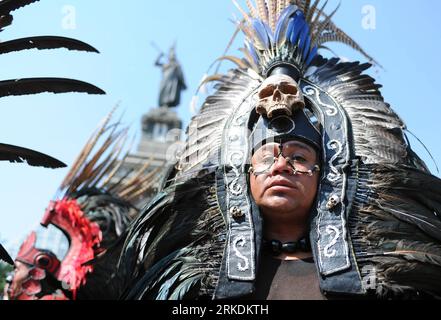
[279, 94]
[334, 200]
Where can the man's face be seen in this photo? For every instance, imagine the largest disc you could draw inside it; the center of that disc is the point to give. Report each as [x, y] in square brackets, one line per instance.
[279, 192]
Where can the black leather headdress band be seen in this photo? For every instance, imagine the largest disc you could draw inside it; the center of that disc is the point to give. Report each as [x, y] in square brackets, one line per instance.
[285, 128]
[286, 69]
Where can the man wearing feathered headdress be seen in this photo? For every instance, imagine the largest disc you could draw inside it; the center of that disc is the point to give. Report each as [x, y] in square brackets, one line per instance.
[297, 182]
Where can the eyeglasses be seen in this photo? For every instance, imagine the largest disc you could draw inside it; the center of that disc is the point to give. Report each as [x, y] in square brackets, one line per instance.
[297, 156]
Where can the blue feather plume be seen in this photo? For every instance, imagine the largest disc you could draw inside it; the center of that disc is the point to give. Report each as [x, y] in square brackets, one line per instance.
[252, 52]
[298, 27]
[307, 48]
[305, 42]
[290, 29]
[311, 56]
[282, 24]
[261, 32]
[269, 33]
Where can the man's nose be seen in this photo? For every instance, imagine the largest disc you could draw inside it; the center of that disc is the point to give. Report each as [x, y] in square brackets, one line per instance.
[281, 165]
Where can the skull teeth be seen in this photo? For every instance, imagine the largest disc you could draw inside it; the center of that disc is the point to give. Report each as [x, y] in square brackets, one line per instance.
[279, 107]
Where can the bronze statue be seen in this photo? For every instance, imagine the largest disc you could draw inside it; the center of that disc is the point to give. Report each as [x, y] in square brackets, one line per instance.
[172, 82]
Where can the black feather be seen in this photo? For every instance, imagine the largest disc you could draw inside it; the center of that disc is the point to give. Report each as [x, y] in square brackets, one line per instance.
[188, 283]
[45, 42]
[378, 132]
[5, 21]
[4, 256]
[32, 86]
[176, 244]
[33, 158]
[395, 228]
[20, 87]
[113, 215]
[6, 6]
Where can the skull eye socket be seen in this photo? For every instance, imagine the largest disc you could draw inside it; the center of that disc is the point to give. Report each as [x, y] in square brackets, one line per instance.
[288, 89]
[266, 92]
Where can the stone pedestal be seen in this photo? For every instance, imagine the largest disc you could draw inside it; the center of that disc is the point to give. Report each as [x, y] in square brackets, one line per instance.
[161, 129]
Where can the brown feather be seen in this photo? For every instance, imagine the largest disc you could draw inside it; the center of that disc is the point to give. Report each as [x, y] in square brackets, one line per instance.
[312, 11]
[245, 15]
[318, 16]
[252, 9]
[272, 9]
[135, 183]
[137, 175]
[88, 168]
[304, 6]
[237, 61]
[262, 9]
[106, 164]
[116, 167]
[323, 25]
[79, 162]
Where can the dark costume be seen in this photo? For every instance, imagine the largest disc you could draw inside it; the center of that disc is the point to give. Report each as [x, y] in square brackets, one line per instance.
[93, 209]
[172, 83]
[377, 209]
[18, 87]
[286, 280]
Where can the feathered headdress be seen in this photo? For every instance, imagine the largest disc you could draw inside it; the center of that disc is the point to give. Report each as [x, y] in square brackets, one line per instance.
[93, 207]
[378, 207]
[95, 184]
[289, 32]
[99, 169]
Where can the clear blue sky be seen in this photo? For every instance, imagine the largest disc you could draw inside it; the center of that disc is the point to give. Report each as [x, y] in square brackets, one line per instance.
[405, 41]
